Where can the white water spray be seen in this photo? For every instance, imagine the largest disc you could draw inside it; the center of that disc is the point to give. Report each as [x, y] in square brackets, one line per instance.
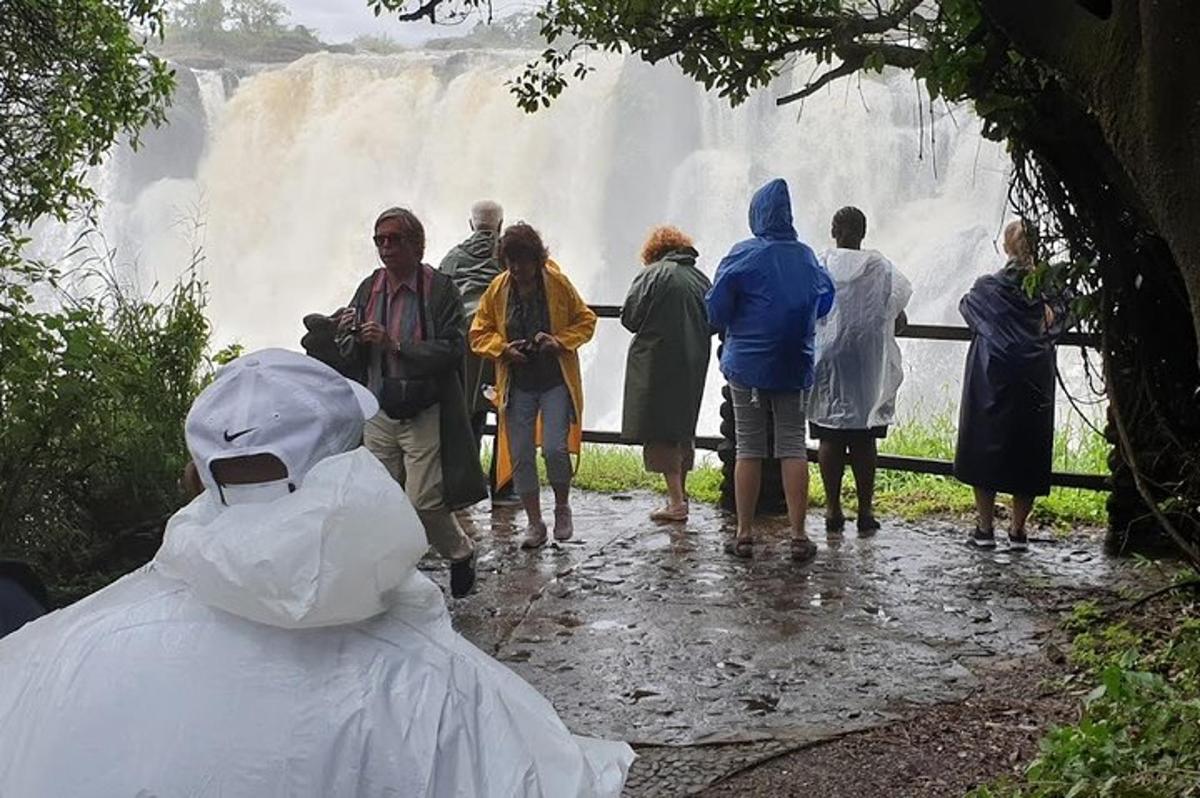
[300, 160]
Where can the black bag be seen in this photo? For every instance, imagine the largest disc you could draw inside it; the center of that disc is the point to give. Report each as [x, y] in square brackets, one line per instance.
[404, 398]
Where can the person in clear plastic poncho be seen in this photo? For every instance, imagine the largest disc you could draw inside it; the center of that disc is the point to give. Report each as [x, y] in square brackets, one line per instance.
[853, 398]
[282, 642]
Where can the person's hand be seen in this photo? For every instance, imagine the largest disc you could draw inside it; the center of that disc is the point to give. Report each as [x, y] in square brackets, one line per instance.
[513, 352]
[373, 333]
[344, 318]
[548, 343]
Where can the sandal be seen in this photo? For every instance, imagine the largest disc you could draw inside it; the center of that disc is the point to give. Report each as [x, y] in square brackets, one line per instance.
[742, 548]
[803, 550]
[835, 523]
[670, 514]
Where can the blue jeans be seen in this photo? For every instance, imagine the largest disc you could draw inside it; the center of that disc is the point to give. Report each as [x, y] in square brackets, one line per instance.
[520, 418]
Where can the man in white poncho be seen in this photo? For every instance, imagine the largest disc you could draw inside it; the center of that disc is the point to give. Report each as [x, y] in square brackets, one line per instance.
[858, 367]
[282, 641]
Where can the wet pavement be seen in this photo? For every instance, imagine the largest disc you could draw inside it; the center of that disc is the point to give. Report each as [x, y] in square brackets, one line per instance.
[652, 634]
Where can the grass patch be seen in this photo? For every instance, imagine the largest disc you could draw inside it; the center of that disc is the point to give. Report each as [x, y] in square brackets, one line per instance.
[618, 469]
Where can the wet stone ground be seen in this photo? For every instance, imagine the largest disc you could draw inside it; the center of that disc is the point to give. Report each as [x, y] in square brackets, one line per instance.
[651, 633]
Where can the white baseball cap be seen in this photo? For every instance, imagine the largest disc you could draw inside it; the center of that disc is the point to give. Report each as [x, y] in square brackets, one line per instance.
[281, 403]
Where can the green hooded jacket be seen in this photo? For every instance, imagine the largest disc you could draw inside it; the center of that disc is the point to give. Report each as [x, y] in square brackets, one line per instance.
[668, 358]
[472, 265]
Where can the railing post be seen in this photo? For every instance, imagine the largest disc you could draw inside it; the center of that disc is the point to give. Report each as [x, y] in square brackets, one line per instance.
[771, 500]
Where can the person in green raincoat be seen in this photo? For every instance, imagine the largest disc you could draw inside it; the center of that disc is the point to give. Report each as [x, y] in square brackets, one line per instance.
[667, 362]
[472, 265]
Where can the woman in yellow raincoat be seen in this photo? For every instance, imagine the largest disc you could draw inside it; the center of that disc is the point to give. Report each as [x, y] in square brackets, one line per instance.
[532, 321]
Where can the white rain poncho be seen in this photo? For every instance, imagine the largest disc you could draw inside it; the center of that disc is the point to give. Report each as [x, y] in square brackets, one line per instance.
[281, 649]
[858, 360]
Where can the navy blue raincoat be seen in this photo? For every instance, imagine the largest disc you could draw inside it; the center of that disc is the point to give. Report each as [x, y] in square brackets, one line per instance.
[766, 298]
[1006, 419]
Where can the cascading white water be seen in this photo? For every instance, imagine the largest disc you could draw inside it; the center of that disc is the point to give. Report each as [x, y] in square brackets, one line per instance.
[299, 161]
[212, 96]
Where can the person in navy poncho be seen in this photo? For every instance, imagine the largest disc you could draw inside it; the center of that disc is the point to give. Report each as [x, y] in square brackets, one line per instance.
[1006, 419]
[766, 298]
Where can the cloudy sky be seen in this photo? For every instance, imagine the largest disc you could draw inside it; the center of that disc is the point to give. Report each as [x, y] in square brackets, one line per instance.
[342, 20]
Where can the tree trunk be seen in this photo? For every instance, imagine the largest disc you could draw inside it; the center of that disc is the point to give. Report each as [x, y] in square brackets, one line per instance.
[1137, 71]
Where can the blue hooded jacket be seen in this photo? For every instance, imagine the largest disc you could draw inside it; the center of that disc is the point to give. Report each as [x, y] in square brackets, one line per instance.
[768, 293]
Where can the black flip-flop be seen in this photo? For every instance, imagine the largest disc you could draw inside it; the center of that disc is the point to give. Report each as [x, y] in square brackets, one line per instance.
[742, 549]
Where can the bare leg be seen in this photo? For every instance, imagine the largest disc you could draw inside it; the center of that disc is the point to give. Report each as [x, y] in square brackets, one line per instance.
[1022, 506]
[863, 458]
[985, 505]
[676, 493]
[795, 490]
[747, 481]
[832, 458]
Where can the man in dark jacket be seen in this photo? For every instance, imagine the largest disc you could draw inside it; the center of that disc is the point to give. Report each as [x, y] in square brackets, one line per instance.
[472, 265]
[403, 332]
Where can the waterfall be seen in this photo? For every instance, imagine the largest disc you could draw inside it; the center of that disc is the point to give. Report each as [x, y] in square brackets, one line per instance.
[299, 160]
[212, 96]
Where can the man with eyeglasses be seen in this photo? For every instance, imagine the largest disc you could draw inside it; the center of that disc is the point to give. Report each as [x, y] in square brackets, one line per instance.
[403, 331]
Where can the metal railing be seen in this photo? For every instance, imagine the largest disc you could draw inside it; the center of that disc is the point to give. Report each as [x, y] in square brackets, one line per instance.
[895, 462]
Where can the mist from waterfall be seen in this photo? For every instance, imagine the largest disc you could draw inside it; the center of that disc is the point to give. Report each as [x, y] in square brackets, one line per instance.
[298, 161]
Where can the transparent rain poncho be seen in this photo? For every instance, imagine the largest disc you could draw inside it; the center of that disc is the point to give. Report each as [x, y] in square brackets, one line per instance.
[288, 648]
[858, 360]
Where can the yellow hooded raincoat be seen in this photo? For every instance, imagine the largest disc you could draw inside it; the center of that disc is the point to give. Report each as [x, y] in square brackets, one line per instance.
[572, 322]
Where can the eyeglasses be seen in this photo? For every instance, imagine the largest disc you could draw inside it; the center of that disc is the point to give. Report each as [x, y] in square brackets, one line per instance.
[388, 240]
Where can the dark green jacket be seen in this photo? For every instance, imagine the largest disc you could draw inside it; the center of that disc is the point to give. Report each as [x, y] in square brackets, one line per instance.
[440, 358]
[472, 265]
[668, 358]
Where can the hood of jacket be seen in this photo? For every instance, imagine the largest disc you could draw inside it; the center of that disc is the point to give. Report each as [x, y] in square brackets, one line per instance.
[847, 265]
[336, 551]
[684, 256]
[480, 246]
[771, 212]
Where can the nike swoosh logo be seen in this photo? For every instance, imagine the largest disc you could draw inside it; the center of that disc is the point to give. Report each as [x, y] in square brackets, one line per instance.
[231, 438]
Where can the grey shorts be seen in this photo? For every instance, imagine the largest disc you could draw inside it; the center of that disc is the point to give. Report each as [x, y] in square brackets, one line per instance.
[750, 423]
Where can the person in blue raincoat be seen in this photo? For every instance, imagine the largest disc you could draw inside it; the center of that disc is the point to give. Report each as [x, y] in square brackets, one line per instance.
[1006, 419]
[766, 298]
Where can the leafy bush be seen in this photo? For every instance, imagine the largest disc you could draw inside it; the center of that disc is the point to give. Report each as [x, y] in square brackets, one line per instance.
[1139, 733]
[93, 395]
